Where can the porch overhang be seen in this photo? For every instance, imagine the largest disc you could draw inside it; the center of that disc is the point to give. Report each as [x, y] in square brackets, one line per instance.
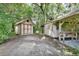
[71, 17]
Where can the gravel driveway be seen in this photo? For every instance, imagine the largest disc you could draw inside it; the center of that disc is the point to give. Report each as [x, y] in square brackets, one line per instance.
[31, 45]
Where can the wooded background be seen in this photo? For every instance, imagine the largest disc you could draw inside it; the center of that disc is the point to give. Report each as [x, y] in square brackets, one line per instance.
[41, 13]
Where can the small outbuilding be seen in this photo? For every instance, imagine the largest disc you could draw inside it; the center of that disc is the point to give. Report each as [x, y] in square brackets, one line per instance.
[24, 27]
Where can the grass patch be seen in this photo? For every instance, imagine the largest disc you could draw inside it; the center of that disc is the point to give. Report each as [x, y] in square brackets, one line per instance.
[73, 51]
[5, 38]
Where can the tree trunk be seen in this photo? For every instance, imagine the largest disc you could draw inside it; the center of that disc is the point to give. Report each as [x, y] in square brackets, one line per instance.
[13, 27]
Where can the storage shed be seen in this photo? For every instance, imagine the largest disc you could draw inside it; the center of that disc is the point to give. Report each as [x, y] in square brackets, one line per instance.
[24, 27]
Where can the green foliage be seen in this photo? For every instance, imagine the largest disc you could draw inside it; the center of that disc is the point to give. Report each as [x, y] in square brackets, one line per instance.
[5, 26]
[9, 15]
[74, 51]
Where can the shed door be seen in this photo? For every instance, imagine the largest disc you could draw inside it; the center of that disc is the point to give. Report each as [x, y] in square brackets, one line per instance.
[27, 29]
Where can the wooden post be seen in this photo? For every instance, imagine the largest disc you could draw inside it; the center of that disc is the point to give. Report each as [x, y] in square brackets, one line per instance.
[59, 32]
[60, 25]
[62, 47]
[76, 35]
[72, 36]
[63, 37]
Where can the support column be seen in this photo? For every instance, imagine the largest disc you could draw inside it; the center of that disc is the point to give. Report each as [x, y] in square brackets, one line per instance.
[62, 46]
[76, 35]
[60, 28]
[59, 32]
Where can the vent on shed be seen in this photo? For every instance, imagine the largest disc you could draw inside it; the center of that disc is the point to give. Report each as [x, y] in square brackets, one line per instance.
[27, 20]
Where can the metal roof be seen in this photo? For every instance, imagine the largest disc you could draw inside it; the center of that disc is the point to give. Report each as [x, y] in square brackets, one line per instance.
[71, 13]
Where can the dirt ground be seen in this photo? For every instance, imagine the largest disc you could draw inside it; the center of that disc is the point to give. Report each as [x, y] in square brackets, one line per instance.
[31, 45]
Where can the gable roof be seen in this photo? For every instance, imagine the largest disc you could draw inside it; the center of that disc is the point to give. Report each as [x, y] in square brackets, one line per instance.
[23, 21]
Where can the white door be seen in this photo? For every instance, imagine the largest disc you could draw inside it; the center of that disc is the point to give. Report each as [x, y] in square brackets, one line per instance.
[30, 30]
[27, 29]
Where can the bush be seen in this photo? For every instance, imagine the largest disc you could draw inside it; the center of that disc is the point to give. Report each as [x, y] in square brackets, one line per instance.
[5, 31]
